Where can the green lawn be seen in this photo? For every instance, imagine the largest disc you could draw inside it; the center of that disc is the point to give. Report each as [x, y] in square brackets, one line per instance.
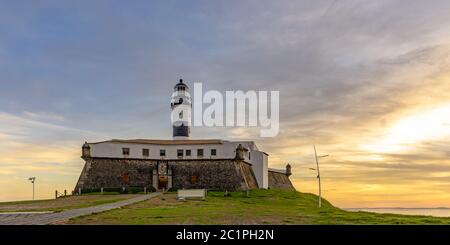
[63, 203]
[262, 207]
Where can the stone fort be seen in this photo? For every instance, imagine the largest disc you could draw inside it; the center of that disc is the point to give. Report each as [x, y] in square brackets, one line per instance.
[179, 163]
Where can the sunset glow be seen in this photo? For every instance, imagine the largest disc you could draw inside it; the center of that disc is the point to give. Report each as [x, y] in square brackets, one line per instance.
[430, 125]
[367, 83]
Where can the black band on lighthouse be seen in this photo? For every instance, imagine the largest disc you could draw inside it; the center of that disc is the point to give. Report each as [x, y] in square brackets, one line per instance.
[182, 131]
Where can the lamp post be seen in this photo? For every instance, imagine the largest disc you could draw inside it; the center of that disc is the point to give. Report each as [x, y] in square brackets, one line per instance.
[318, 174]
[32, 179]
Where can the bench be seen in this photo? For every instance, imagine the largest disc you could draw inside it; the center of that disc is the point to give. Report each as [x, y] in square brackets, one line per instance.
[191, 194]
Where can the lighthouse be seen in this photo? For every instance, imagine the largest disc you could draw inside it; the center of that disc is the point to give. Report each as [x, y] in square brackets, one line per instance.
[181, 106]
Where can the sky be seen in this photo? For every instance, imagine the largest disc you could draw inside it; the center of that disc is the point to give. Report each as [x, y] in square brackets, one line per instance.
[367, 82]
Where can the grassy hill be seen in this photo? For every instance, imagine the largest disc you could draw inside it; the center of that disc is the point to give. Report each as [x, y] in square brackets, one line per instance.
[262, 207]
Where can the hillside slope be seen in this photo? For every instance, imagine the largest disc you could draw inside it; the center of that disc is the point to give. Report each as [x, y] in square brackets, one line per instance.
[262, 207]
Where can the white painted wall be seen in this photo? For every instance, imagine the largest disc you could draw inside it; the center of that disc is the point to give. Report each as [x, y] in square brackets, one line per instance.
[114, 150]
[260, 166]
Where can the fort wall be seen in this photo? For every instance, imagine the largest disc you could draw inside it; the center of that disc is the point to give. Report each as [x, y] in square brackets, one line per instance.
[279, 180]
[223, 174]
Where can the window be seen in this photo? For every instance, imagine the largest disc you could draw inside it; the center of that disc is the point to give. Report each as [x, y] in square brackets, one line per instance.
[179, 153]
[125, 178]
[194, 179]
[200, 152]
[145, 152]
[188, 153]
[162, 153]
[126, 151]
[213, 152]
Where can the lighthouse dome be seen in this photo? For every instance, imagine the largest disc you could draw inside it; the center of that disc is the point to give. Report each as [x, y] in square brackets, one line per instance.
[181, 86]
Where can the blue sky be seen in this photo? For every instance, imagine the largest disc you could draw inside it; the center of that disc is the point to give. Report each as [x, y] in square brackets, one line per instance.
[349, 73]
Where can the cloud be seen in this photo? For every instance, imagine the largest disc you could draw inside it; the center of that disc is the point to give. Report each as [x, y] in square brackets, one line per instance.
[44, 116]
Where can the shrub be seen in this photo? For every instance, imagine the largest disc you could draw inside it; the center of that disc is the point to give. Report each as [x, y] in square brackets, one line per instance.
[89, 190]
[134, 190]
[112, 189]
[126, 190]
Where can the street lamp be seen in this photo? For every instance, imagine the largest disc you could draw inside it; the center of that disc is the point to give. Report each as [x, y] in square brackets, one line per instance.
[32, 179]
[318, 174]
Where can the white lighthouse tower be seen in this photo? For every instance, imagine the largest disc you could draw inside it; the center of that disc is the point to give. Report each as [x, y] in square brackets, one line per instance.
[181, 105]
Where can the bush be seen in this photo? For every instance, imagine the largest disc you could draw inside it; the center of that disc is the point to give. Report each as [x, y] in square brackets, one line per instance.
[89, 190]
[112, 189]
[134, 190]
[126, 190]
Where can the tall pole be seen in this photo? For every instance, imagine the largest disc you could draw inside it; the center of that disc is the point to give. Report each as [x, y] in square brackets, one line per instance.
[318, 177]
[32, 179]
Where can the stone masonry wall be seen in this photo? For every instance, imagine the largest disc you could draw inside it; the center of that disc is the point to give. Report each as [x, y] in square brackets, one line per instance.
[103, 172]
[210, 174]
[249, 176]
[279, 181]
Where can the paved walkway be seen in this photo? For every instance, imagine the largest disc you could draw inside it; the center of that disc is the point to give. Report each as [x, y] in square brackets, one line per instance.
[49, 218]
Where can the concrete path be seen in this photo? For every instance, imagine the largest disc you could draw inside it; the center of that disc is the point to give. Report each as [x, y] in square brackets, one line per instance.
[49, 218]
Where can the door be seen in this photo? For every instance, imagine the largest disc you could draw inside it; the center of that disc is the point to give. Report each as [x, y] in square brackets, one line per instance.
[162, 182]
